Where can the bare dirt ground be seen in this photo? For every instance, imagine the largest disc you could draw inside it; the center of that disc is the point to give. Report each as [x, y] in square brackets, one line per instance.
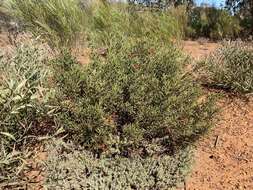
[4, 41]
[224, 158]
[199, 48]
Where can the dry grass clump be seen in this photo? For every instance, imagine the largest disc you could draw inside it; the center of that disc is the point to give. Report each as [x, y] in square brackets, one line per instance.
[57, 22]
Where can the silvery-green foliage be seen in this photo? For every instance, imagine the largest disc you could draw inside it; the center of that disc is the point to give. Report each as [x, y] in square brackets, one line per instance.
[229, 67]
[67, 168]
[12, 164]
[23, 95]
[24, 112]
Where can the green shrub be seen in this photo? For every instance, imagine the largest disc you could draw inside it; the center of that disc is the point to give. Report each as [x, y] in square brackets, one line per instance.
[180, 13]
[230, 67]
[23, 94]
[213, 23]
[246, 25]
[24, 112]
[57, 22]
[137, 94]
[226, 26]
[64, 164]
[12, 164]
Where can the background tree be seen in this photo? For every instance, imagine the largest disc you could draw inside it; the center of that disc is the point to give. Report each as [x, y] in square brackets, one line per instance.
[163, 3]
[244, 9]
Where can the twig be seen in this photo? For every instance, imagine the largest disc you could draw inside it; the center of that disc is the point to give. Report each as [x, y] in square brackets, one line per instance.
[185, 187]
[216, 141]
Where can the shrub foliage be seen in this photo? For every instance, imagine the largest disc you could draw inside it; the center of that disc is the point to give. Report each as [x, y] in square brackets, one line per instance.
[213, 23]
[24, 112]
[64, 164]
[137, 94]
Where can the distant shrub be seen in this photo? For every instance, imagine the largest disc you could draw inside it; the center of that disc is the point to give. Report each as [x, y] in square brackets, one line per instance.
[246, 25]
[110, 20]
[213, 23]
[197, 21]
[135, 95]
[230, 67]
[180, 13]
[64, 164]
[226, 26]
[57, 22]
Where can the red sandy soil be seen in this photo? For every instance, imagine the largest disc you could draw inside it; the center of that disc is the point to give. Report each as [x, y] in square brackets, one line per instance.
[199, 48]
[3, 40]
[224, 158]
[83, 56]
[229, 164]
[34, 177]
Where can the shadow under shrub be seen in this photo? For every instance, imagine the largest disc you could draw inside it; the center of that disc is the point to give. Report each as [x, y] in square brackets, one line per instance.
[230, 67]
[136, 96]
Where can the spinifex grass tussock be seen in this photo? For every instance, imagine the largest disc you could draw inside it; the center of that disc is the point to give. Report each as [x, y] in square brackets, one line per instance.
[108, 20]
[230, 67]
[63, 23]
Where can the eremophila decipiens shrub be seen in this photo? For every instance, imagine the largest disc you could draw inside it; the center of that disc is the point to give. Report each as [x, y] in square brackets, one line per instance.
[229, 67]
[135, 95]
[130, 115]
